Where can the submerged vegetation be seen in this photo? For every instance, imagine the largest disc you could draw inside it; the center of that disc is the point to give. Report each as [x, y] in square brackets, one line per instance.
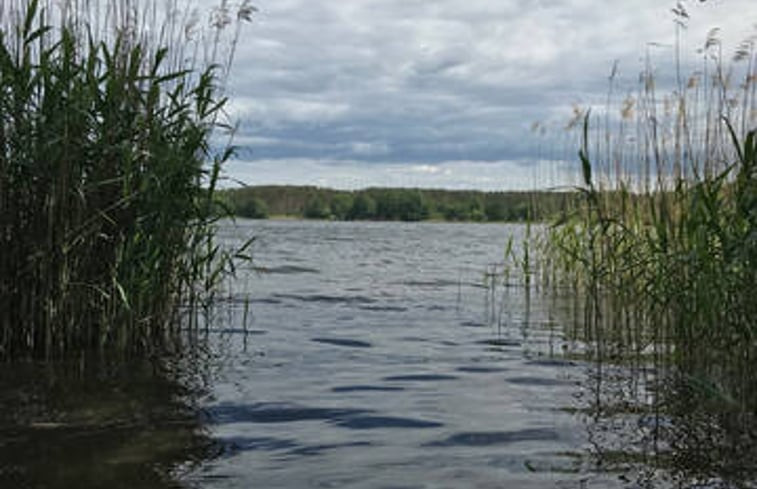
[398, 204]
[107, 175]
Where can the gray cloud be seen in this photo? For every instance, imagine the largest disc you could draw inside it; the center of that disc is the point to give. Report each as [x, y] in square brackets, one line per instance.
[380, 85]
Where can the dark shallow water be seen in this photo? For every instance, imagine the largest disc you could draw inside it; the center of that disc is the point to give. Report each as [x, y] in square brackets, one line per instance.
[376, 358]
[89, 423]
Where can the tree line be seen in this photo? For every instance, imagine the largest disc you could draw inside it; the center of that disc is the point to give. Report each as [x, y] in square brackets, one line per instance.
[395, 204]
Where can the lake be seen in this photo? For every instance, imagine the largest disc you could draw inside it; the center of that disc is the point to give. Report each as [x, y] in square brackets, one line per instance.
[362, 355]
[374, 355]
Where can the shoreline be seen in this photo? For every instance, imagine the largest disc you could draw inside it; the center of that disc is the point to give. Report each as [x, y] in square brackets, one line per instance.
[433, 220]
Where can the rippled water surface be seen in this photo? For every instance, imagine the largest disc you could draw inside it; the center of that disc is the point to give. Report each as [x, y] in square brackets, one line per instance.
[374, 355]
[371, 355]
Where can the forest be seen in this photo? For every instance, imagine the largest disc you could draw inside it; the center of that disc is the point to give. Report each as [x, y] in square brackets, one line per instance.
[396, 204]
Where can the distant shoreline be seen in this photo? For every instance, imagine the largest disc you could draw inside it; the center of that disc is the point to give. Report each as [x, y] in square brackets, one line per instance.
[282, 218]
[282, 202]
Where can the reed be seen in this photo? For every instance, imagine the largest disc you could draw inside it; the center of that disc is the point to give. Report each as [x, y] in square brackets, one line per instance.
[663, 246]
[107, 173]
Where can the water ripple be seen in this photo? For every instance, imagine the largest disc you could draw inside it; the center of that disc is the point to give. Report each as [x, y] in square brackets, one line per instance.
[343, 342]
[240, 331]
[319, 449]
[274, 413]
[366, 388]
[481, 370]
[420, 378]
[489, 438]
[383, 308]
[539, 381]
[551, 362]
[384, 422]
[235, 444]
[500, 342]
[286, 270]
[329, 299]
[472, 324]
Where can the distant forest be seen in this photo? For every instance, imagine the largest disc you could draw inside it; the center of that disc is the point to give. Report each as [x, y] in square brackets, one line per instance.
[396, 204]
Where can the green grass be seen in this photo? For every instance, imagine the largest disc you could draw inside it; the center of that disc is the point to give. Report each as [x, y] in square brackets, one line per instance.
[107, 175]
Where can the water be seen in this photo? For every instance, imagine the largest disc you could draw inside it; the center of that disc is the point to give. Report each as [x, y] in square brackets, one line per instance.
[373, 356]
[90, 424]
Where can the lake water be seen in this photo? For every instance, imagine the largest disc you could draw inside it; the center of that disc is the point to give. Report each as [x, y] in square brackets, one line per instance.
[374, 356]
[370, 355]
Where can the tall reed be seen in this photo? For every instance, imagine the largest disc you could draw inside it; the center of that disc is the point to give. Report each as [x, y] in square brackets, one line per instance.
[107, 173]
[664, 244]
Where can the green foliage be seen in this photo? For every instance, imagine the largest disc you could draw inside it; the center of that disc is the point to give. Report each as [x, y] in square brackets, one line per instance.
[495, 211]
[107, 189]
[661, 258]
[403, 204]
[316, 208]
[673, 269]
[476, 211]
[669, 277]
[363, 207]
[400, 204]
[454, 211]
[255, 208]
[341, 206]
[471, 209]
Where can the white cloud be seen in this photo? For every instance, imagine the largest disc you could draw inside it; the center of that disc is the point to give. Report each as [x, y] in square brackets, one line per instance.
[279, 110]
[379, 83]
[356, 174]
[362, 148]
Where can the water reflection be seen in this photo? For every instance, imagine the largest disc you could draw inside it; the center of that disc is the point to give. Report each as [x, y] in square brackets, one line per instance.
[656, 415]
[393, 366]
[98, 424]
[658, 425]
[712, 439]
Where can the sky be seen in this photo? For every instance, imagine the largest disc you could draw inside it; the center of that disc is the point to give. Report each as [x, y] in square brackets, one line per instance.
[442, 93]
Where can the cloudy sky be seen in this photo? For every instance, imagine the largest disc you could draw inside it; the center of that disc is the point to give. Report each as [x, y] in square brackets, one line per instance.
[441, 93]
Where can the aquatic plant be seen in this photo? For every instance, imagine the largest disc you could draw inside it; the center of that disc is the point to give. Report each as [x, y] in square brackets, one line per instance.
[107, 172]
[666, 228]
[663, 246]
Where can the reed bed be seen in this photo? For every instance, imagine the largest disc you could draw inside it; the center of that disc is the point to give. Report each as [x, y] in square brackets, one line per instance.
[107, 172]
[663, 247]
[661, 256]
